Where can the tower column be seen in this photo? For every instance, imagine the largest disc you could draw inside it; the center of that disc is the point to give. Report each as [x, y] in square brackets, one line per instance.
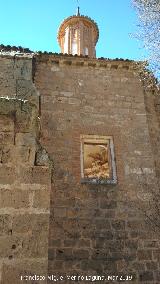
[81, 38]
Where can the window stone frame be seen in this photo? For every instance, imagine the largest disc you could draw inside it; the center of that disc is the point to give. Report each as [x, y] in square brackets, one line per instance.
[97, 139]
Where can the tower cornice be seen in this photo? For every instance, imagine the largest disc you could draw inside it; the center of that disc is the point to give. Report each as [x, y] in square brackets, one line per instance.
[78, 18]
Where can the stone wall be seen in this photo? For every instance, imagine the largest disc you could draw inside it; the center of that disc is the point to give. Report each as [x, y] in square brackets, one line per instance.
[91, 229]
[16, 77]
[95, 229]
[152, 103]
[25, 176]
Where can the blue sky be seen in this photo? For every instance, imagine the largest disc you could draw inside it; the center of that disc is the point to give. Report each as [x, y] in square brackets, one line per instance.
[34, 24]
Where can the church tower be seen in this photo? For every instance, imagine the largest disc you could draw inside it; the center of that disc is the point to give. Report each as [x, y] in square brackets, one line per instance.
[78, 34]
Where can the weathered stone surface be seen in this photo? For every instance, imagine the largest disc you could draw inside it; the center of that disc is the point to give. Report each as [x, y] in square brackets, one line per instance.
[6, 124]
[100, 229]
[25, 139]
[146, 276]
[14, 199]
[7, 174]
[16, 272]
[24, 210]
[100, 101]
[35, 175]
[42, 199]
[5, 224]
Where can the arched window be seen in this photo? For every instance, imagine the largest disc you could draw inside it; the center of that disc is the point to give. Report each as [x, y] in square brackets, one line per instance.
[86, 50]
[66, 41]
[74, 47]
[74, 42]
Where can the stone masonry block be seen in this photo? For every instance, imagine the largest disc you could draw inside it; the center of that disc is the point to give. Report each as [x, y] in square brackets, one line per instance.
[6, 123]
[10, 246]
[15, 273]
[7, 175]
[28, 223]
[42, 199]
[17, 155]
[23, 69]
[14, 199]
[66, 94]
[27, 91]
[65, 254]
[5, 224]
[81, 253]
[24, 154]
[25, 139]
[12, 274]
[60, 212]
[145, 255]
[35, 245]
[146, 276]
[39, 175]
[8, 154]
[105, 204]
[6, 138]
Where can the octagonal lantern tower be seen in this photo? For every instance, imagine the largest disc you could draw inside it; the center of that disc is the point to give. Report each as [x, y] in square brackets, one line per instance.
[78, 34]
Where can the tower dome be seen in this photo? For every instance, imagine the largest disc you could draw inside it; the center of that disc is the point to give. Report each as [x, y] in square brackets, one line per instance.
[78, 34]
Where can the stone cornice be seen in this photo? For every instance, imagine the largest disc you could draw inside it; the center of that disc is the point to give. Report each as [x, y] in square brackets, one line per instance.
[88, 62]
[70, 19]
[82, 61]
